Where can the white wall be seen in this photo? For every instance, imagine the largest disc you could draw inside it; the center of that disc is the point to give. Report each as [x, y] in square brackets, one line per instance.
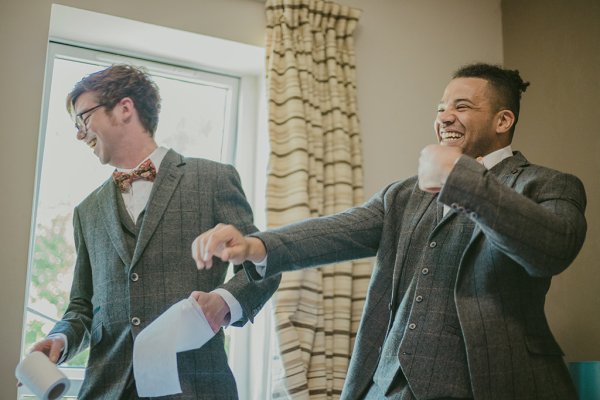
[406, 50]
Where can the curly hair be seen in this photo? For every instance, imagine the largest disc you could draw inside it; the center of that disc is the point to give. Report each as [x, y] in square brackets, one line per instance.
[508, 84]
[116, 82]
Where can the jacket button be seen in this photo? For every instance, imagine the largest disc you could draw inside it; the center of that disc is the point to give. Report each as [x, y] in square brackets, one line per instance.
[135, 321]
[134, 277]
[419, 298]
[432, 244]
[425, 271]
[412, 326]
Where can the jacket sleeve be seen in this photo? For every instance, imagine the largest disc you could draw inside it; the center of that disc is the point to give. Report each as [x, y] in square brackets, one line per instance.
[540, 223]
[231, 207]
[348, 235]
[76, 322]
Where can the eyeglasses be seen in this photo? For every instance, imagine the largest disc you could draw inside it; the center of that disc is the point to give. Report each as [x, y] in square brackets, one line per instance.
[80, 122]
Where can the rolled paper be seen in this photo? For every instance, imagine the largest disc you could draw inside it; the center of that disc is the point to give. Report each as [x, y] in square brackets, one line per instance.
[182, 327]
[42, 376]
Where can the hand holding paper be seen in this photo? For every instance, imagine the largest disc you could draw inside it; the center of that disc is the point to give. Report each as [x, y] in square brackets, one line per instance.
[214, 308]
[51, 347]
[182, 327]
[42, 376]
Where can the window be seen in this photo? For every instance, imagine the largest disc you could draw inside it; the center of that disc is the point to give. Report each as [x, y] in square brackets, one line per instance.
[204, 114]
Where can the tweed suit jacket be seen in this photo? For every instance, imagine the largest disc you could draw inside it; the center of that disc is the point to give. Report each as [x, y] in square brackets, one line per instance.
[189, 196]
[529, 225]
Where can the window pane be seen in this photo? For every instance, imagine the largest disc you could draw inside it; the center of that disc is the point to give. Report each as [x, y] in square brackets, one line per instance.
[192, 118]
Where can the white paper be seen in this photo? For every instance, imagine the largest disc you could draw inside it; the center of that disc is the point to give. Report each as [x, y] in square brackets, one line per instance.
[182, 327]
[42, 376]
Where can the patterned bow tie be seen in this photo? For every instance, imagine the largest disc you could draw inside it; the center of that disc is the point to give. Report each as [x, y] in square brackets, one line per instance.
[146, 171]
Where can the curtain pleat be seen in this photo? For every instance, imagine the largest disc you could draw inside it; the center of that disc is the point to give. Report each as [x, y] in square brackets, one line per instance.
[315, 169]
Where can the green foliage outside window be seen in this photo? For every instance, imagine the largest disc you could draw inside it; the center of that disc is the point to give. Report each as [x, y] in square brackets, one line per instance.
[53, 261]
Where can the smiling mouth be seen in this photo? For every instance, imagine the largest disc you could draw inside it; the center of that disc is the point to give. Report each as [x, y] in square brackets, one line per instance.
[450, 137]
[92, 143]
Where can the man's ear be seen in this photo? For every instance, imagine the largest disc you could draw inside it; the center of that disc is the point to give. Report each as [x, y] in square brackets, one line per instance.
[505, 121]
[126, 108]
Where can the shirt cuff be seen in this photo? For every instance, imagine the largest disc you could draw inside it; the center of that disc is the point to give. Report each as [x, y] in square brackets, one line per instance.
[64, 350]
[261, 266]
[235, 309]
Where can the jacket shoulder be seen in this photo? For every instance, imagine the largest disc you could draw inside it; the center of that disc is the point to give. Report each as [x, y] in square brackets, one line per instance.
[203, 164]
[91, 200]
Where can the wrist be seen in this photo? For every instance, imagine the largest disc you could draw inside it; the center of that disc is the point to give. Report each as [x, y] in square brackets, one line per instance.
[256, 249]
[446, 172]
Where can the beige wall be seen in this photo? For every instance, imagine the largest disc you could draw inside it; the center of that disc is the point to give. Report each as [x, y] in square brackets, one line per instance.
[406, 50]
[556, 46]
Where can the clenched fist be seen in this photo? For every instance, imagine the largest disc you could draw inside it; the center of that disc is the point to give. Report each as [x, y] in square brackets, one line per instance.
[435, 163]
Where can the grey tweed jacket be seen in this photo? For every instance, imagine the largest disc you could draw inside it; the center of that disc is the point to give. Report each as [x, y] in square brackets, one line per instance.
[113, 289]
[529, 226]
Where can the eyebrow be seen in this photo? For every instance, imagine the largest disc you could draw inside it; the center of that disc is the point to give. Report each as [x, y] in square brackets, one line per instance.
[460, 100]
[441, 103]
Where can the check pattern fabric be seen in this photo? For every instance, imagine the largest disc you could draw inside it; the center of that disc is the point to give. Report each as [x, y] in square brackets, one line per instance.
[108, 307]
[315, 169]
[529, 225]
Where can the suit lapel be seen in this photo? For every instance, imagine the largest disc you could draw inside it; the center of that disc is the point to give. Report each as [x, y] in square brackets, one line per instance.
[167, 180]
[107, 200]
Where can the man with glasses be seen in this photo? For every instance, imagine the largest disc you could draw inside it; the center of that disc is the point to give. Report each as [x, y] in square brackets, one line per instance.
[133, 236]
[465, 253]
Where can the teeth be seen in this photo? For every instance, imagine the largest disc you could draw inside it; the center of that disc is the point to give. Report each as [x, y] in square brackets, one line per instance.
[92, 143]
[450, 135]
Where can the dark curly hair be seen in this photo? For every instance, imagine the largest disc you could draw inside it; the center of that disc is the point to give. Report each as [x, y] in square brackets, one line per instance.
[116, 82]
[508, 84]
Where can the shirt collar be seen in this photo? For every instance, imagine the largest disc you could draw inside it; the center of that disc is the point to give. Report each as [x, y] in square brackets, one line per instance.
[156, 156]
[495, 157]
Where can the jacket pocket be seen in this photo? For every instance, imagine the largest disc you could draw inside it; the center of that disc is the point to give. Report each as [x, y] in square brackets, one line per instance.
[543, 345]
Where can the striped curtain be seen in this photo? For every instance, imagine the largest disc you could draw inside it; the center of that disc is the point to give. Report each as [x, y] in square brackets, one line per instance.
[315, 168]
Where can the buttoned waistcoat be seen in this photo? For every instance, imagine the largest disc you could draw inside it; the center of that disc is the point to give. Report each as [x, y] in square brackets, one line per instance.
[425, 323]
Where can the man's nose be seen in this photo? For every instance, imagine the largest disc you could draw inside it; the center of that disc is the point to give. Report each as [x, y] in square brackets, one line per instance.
[445, 117]
[80, 134]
